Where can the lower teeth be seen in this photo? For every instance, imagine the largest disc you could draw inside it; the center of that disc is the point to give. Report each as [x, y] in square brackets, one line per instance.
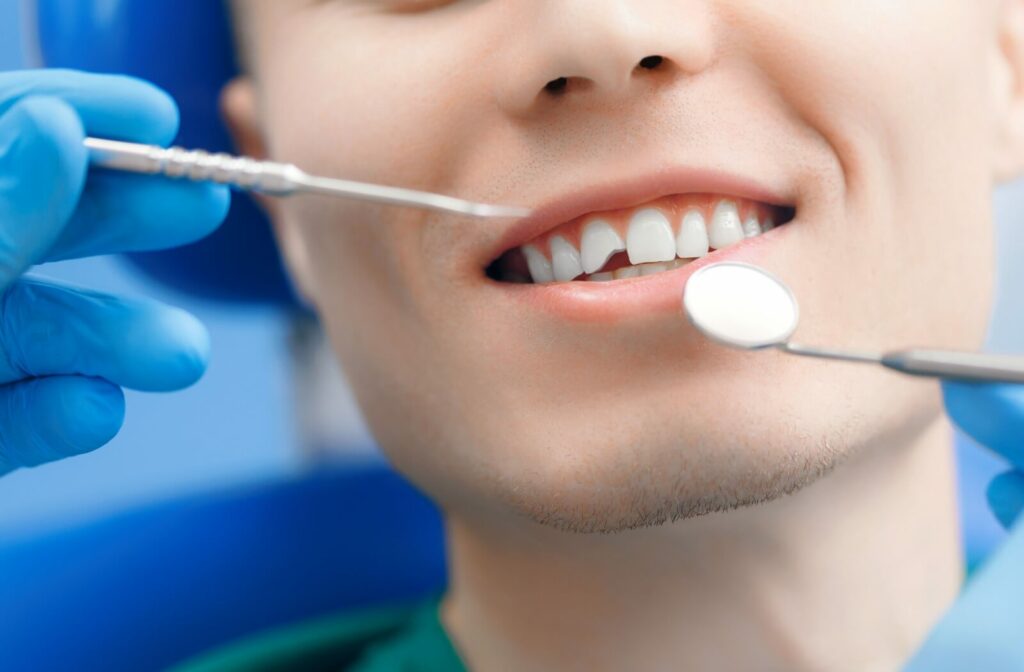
[638, 271]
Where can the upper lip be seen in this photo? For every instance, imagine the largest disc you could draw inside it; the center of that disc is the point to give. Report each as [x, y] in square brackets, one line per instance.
[631, 192]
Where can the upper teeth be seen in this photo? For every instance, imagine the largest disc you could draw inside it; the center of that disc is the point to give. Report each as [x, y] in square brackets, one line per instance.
[565, 259]
[751, 227]
[650, 238]
[725, 228]
[650, 241]
[693, 236]
[540, 267]
[599, 242]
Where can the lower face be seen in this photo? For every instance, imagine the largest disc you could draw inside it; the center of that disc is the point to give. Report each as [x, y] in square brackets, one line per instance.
[543, 367]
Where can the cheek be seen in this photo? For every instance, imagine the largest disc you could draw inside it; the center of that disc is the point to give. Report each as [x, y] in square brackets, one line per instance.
[904, 218]
[363, 104]
[391, 101]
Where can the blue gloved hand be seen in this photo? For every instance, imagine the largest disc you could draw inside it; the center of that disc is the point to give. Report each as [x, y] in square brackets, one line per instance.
[985, 628]
[66, 352]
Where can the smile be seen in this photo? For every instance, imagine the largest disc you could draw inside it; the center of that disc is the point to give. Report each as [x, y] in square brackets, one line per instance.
[655, 237]
[618, 252]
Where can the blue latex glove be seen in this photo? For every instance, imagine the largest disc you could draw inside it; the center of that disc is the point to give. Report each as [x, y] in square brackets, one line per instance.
[65, 352]
[985, 628]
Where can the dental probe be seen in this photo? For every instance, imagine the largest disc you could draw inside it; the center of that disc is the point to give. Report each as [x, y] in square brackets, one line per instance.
[274, 179]
[968, 366]
[746, 307]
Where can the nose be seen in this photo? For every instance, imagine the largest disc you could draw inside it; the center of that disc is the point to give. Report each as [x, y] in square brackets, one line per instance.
[602, 49]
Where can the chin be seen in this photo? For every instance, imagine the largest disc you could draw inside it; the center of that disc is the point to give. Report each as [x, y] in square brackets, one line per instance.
[610, 463]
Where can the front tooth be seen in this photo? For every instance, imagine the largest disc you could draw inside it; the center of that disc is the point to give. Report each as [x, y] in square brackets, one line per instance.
[751, 227]
[650, 238]
[600, 241]
[601, 277]
[693, 236]
[626, 272]
[565, 259]
[726, 228]
[540, 267]
[768, 225]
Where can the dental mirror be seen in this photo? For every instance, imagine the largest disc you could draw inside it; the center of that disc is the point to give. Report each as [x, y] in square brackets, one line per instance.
[742, 306]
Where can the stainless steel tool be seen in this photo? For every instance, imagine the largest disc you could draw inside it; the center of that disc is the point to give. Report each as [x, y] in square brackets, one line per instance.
[275, 179]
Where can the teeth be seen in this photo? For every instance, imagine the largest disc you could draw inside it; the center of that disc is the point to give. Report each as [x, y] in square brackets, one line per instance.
[693, 236]
[650, 238]
[540, 267]
[651, 269]
[565, 259]
[651, 244]
[599, 242]
[751, 227]
[726, 228]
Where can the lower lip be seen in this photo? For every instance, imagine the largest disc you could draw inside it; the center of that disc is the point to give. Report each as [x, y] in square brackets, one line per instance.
[619, 300]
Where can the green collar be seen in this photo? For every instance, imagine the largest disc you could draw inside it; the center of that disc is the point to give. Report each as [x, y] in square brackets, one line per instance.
[410, 639]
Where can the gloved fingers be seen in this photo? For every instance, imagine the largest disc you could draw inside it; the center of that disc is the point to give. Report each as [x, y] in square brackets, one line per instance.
[1006, 497]
[47, 419]
[110, 106]
[138, 213]
[42, 172]
[50, 329]
[991, 414]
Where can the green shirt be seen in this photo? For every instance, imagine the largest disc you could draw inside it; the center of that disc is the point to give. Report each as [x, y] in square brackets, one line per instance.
[381, 640]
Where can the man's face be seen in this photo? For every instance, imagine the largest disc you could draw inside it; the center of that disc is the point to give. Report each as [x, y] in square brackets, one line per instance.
[594, 405]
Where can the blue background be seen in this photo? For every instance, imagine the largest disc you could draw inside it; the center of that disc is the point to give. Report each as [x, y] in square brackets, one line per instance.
[235, 425]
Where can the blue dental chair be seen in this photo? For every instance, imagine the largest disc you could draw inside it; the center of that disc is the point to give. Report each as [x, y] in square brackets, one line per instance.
[151, 587]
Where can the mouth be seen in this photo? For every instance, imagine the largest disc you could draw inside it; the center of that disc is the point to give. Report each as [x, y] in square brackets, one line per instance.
[654, 237]
[625, 250]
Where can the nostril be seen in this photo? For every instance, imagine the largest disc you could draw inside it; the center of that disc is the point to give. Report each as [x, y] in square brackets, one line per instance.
[651, 62]
[556, 86]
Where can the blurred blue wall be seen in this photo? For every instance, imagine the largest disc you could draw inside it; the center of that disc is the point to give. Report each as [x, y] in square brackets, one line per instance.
[235, 425]
[232, 426]
[10, 34]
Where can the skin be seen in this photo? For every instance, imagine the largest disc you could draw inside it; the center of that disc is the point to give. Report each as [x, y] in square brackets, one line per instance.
[884, 124]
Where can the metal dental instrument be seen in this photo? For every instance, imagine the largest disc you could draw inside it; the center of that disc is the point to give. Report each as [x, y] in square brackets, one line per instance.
[746, 307]
[275, 179]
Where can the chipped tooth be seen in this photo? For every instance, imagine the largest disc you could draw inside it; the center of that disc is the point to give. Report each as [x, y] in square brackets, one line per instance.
[601, 277]
[650, 238]
[599, 242]
[626, 272]
[565, 260]
[692, 241]
[540, 267]
[726, 228]
[751, 227]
